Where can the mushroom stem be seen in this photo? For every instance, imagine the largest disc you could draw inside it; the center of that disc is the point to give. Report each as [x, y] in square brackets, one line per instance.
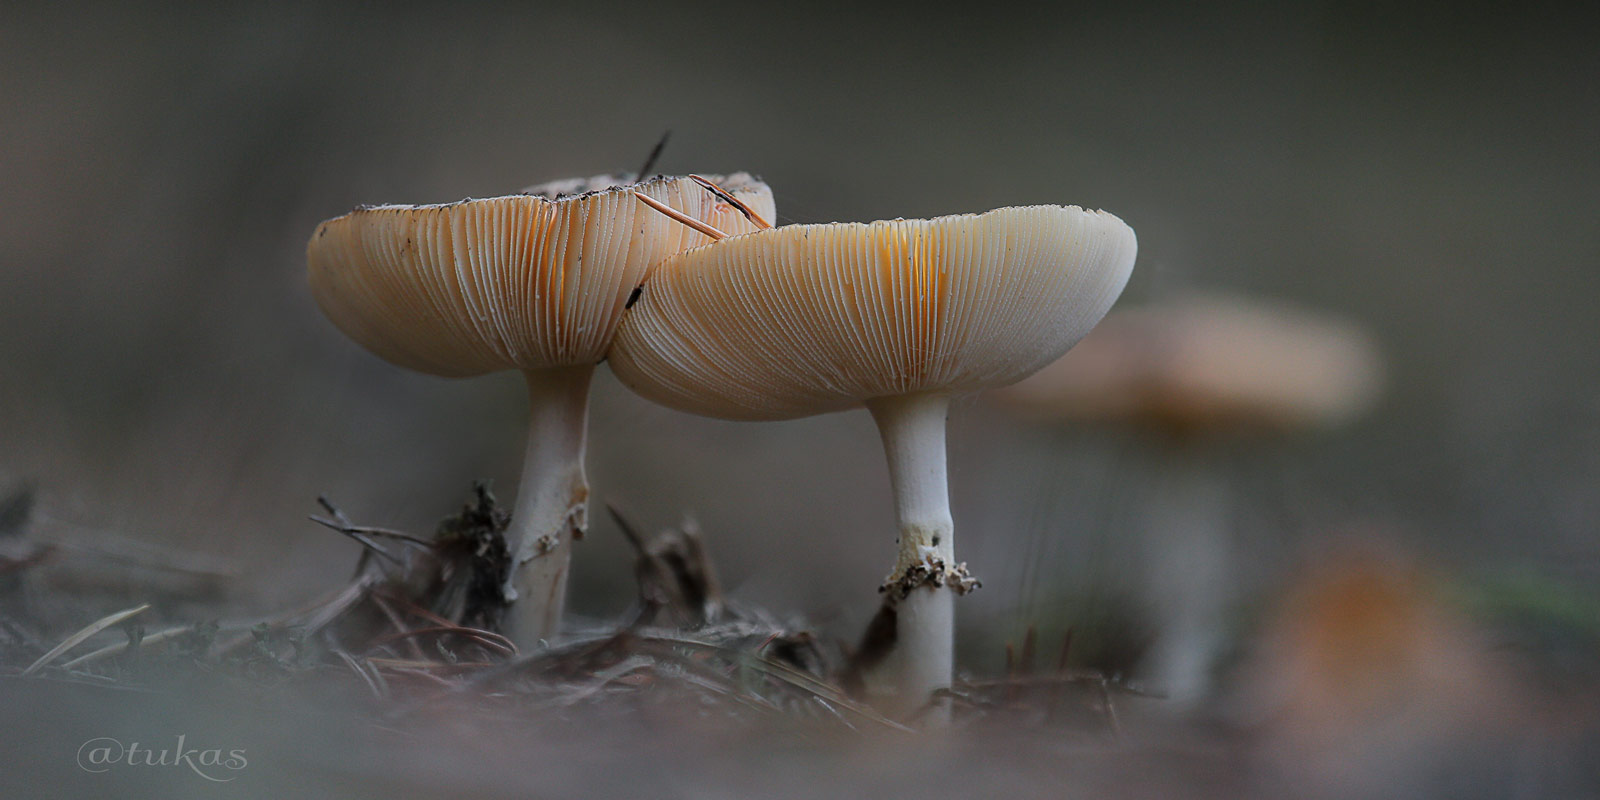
[552, 503]
[922, 661]
[1188, 575]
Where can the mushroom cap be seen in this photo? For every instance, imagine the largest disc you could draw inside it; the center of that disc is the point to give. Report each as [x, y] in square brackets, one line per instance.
[518, 282]
[1209, 362]
[808, 319]
[1362, 649]
[556, 189]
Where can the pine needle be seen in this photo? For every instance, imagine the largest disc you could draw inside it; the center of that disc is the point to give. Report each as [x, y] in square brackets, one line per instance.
[77, 638]
[112, 649]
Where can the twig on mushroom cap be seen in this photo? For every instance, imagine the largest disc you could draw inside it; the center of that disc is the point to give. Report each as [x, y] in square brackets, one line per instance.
[680, 216]
[746, 210]
[655, 155]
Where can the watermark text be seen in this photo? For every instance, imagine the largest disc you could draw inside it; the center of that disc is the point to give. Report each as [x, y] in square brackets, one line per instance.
[104, 754]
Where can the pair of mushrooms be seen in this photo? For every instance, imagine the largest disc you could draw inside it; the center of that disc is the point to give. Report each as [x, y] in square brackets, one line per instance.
[699, 304]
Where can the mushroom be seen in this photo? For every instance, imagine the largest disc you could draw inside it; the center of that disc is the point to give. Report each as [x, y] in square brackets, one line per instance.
[1209, 363]
[531, 283]
[898, 316]
[1366, 677]
[1194, 371]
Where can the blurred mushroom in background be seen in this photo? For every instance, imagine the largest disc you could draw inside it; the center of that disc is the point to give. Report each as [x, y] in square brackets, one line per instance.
[1189, 375]
[898, 316]
[1366, 681]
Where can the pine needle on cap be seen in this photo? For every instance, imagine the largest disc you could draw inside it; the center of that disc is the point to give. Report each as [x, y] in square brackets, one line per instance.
[680, 216]
[726, 197]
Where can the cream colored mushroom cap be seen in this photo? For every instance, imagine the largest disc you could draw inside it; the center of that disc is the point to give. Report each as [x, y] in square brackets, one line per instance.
[1210, 362]
[518, 282]
[808, 319]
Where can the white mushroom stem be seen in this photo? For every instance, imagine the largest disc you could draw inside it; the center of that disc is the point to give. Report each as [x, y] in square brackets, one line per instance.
[922, 661]
[1188, 576]
[552, 504]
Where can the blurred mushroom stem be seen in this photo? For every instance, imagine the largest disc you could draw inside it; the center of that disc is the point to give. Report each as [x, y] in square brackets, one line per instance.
[552, 506]
[1188, 572]
[921, 586]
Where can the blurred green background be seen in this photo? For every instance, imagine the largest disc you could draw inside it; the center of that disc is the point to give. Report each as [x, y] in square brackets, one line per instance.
[1428, 170]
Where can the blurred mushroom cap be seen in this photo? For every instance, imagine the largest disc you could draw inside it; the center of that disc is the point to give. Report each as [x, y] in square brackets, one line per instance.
[808, 319]
[1365, 673]
[517, 282]
[1209, 362]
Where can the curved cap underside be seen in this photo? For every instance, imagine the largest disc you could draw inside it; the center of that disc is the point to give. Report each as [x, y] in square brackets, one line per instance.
[518, 282]
[808, 319]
